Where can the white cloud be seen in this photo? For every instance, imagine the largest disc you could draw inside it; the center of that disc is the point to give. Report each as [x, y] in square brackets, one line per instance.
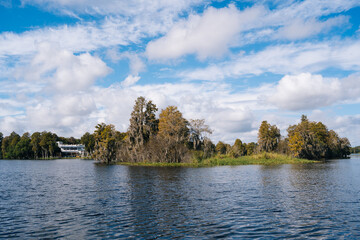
[299, 29]
[120, 23]
[97, 7]
[130, 80]
[59, 102]
[129, 22]
[284, 59]
[210, 34]
[87, 36]
[63, 71]
[74, 105]
[74, 38]
[136, 64]
[216, 30]
[306, 91]
[9, 124]
[7, 111]
[310, 9]
[61, 112]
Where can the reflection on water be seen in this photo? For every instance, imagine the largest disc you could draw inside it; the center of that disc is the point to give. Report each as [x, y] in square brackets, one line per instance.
[78, 199]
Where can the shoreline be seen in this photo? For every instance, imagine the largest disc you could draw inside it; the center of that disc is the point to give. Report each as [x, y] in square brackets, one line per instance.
[258, 159]
[219, 160]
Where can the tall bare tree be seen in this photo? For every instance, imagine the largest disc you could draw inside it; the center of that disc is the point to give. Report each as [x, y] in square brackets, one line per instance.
[198, 130]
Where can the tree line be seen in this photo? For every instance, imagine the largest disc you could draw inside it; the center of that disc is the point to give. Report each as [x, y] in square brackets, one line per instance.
[171, 138]
[39, 145]
[308, 139]
[355, 149]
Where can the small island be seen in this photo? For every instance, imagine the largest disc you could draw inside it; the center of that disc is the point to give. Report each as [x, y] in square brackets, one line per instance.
[172, 140]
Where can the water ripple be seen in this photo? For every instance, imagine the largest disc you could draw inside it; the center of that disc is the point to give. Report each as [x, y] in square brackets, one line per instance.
[78, 199]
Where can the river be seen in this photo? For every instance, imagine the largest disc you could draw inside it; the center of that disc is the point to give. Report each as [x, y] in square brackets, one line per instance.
[77, 199]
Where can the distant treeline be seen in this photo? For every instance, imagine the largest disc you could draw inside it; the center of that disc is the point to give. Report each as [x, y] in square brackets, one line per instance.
[173, 139]
[355, 149]
[39, 145]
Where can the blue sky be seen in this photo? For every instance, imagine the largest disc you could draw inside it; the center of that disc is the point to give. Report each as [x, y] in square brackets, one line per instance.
[67, 65]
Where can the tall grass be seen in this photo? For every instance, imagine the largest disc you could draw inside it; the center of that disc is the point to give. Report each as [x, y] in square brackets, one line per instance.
[259, 159]
[223, 160]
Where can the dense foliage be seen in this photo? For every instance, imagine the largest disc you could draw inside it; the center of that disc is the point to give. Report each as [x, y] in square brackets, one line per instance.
[268, 137]
[312, 140]
[309, 140]
[38, 145]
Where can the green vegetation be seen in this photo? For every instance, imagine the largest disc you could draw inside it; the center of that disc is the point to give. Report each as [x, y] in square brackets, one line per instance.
[268, 137]
[39, 145]
[256, 159]
[312, 140]
[263, 158]
[172, 140]
[355, 149]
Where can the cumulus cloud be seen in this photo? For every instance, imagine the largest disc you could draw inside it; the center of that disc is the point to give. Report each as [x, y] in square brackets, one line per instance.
[58, 82]
[207, 35]
[61, 112]
[62, 70]
[12, 123]
[307, 91]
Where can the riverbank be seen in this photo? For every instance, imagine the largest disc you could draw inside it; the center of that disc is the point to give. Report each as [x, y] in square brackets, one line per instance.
[257, 159]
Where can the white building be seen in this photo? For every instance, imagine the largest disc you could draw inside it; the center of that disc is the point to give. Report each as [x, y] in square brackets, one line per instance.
[71, 150]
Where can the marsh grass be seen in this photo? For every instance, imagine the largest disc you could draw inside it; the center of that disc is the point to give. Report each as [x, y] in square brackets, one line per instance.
[223, 160]
[257, 159]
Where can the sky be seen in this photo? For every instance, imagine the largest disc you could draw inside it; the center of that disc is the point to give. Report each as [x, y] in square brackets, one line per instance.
[68, 65]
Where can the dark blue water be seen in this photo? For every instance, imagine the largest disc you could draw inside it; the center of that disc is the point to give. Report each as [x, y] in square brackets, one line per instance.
[76, 199]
